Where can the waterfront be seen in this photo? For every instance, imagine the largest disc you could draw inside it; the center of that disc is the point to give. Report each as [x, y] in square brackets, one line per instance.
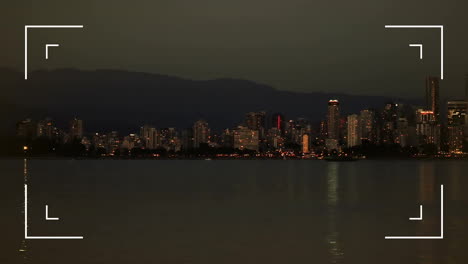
[250, 211]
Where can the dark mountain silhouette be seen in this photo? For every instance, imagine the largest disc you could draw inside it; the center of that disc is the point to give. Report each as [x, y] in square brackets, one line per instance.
[121, 100]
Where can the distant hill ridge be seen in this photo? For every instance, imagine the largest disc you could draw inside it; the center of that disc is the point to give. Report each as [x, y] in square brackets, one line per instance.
[123, 100]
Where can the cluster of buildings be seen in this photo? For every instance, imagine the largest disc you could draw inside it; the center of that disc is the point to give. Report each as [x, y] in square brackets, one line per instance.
[273, 134]
[407, 126]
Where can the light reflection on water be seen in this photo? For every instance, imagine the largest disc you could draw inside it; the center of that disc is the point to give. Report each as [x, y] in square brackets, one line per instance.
[24, 250]
[333, 239]
[245, 212]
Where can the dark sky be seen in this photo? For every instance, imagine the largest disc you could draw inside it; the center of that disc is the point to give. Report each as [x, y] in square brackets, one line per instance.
[297, 45]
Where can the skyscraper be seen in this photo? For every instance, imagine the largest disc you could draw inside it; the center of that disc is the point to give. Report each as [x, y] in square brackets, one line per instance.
[277, 121]
[305, 144]
[388, 123]
[333, 119]
[432, 96]
[256, 121]
[427, 129]
[76, 128]
[187, 139]
[201, 133]
[456, 122]
[367, 125]
[354, 137]
[150, 137]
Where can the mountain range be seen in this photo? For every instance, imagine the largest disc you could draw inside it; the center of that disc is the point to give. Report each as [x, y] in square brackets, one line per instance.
[122, 100]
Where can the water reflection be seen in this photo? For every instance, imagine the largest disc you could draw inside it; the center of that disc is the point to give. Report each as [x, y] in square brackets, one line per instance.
[335, 249]
[428, 197]
[426, 182]
[23, 250]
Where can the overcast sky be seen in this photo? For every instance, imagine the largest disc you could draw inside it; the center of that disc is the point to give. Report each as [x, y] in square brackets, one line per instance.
[296, 45]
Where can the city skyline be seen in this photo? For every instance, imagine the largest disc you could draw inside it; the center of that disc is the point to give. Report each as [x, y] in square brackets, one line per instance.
[408, 126]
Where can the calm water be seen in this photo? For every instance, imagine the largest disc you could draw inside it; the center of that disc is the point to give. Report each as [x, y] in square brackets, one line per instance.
[234, 211]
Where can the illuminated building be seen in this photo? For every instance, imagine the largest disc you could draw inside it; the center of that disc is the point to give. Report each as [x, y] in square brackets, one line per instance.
[113, 142]
[187, 139]
[100, 141]
[333, 120]
[367, 125]
[129, 142]
[169, 139]
[150, 137]
[76, 128]
[277, 122]
[201, 133]
[305, 144]
[323, 130]
[245, 138]
[331, 144]
[427, 129]
[46, 129]
[456, 122]
[274, 138]
[227, 139]
[432, 96]
[256, 121]
[403, 132]
[354, 135]
[388, 124]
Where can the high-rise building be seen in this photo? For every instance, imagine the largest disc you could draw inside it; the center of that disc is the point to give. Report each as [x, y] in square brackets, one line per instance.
[367, 125]
[131, 141]
[46, 129]
[245, 138]
[456, 122]
[76, 128]
[388, 123]
[354, 133]
[274, 138]
[277, 121]
[256, 121]
[150, 137]
[305, 144]
[427, 129]
[201, 133]
[333, 119]
[113, 142]
[432, 96]
[169, 139]
[403, 133]
[187, 139]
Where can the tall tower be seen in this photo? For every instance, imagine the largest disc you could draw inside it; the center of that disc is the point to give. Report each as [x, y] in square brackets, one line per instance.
[201, 133]
[333, 119]
[456, 119]
[354, 135]
[432, 96]
[277, 122]
[367, 125]
[305, 144]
